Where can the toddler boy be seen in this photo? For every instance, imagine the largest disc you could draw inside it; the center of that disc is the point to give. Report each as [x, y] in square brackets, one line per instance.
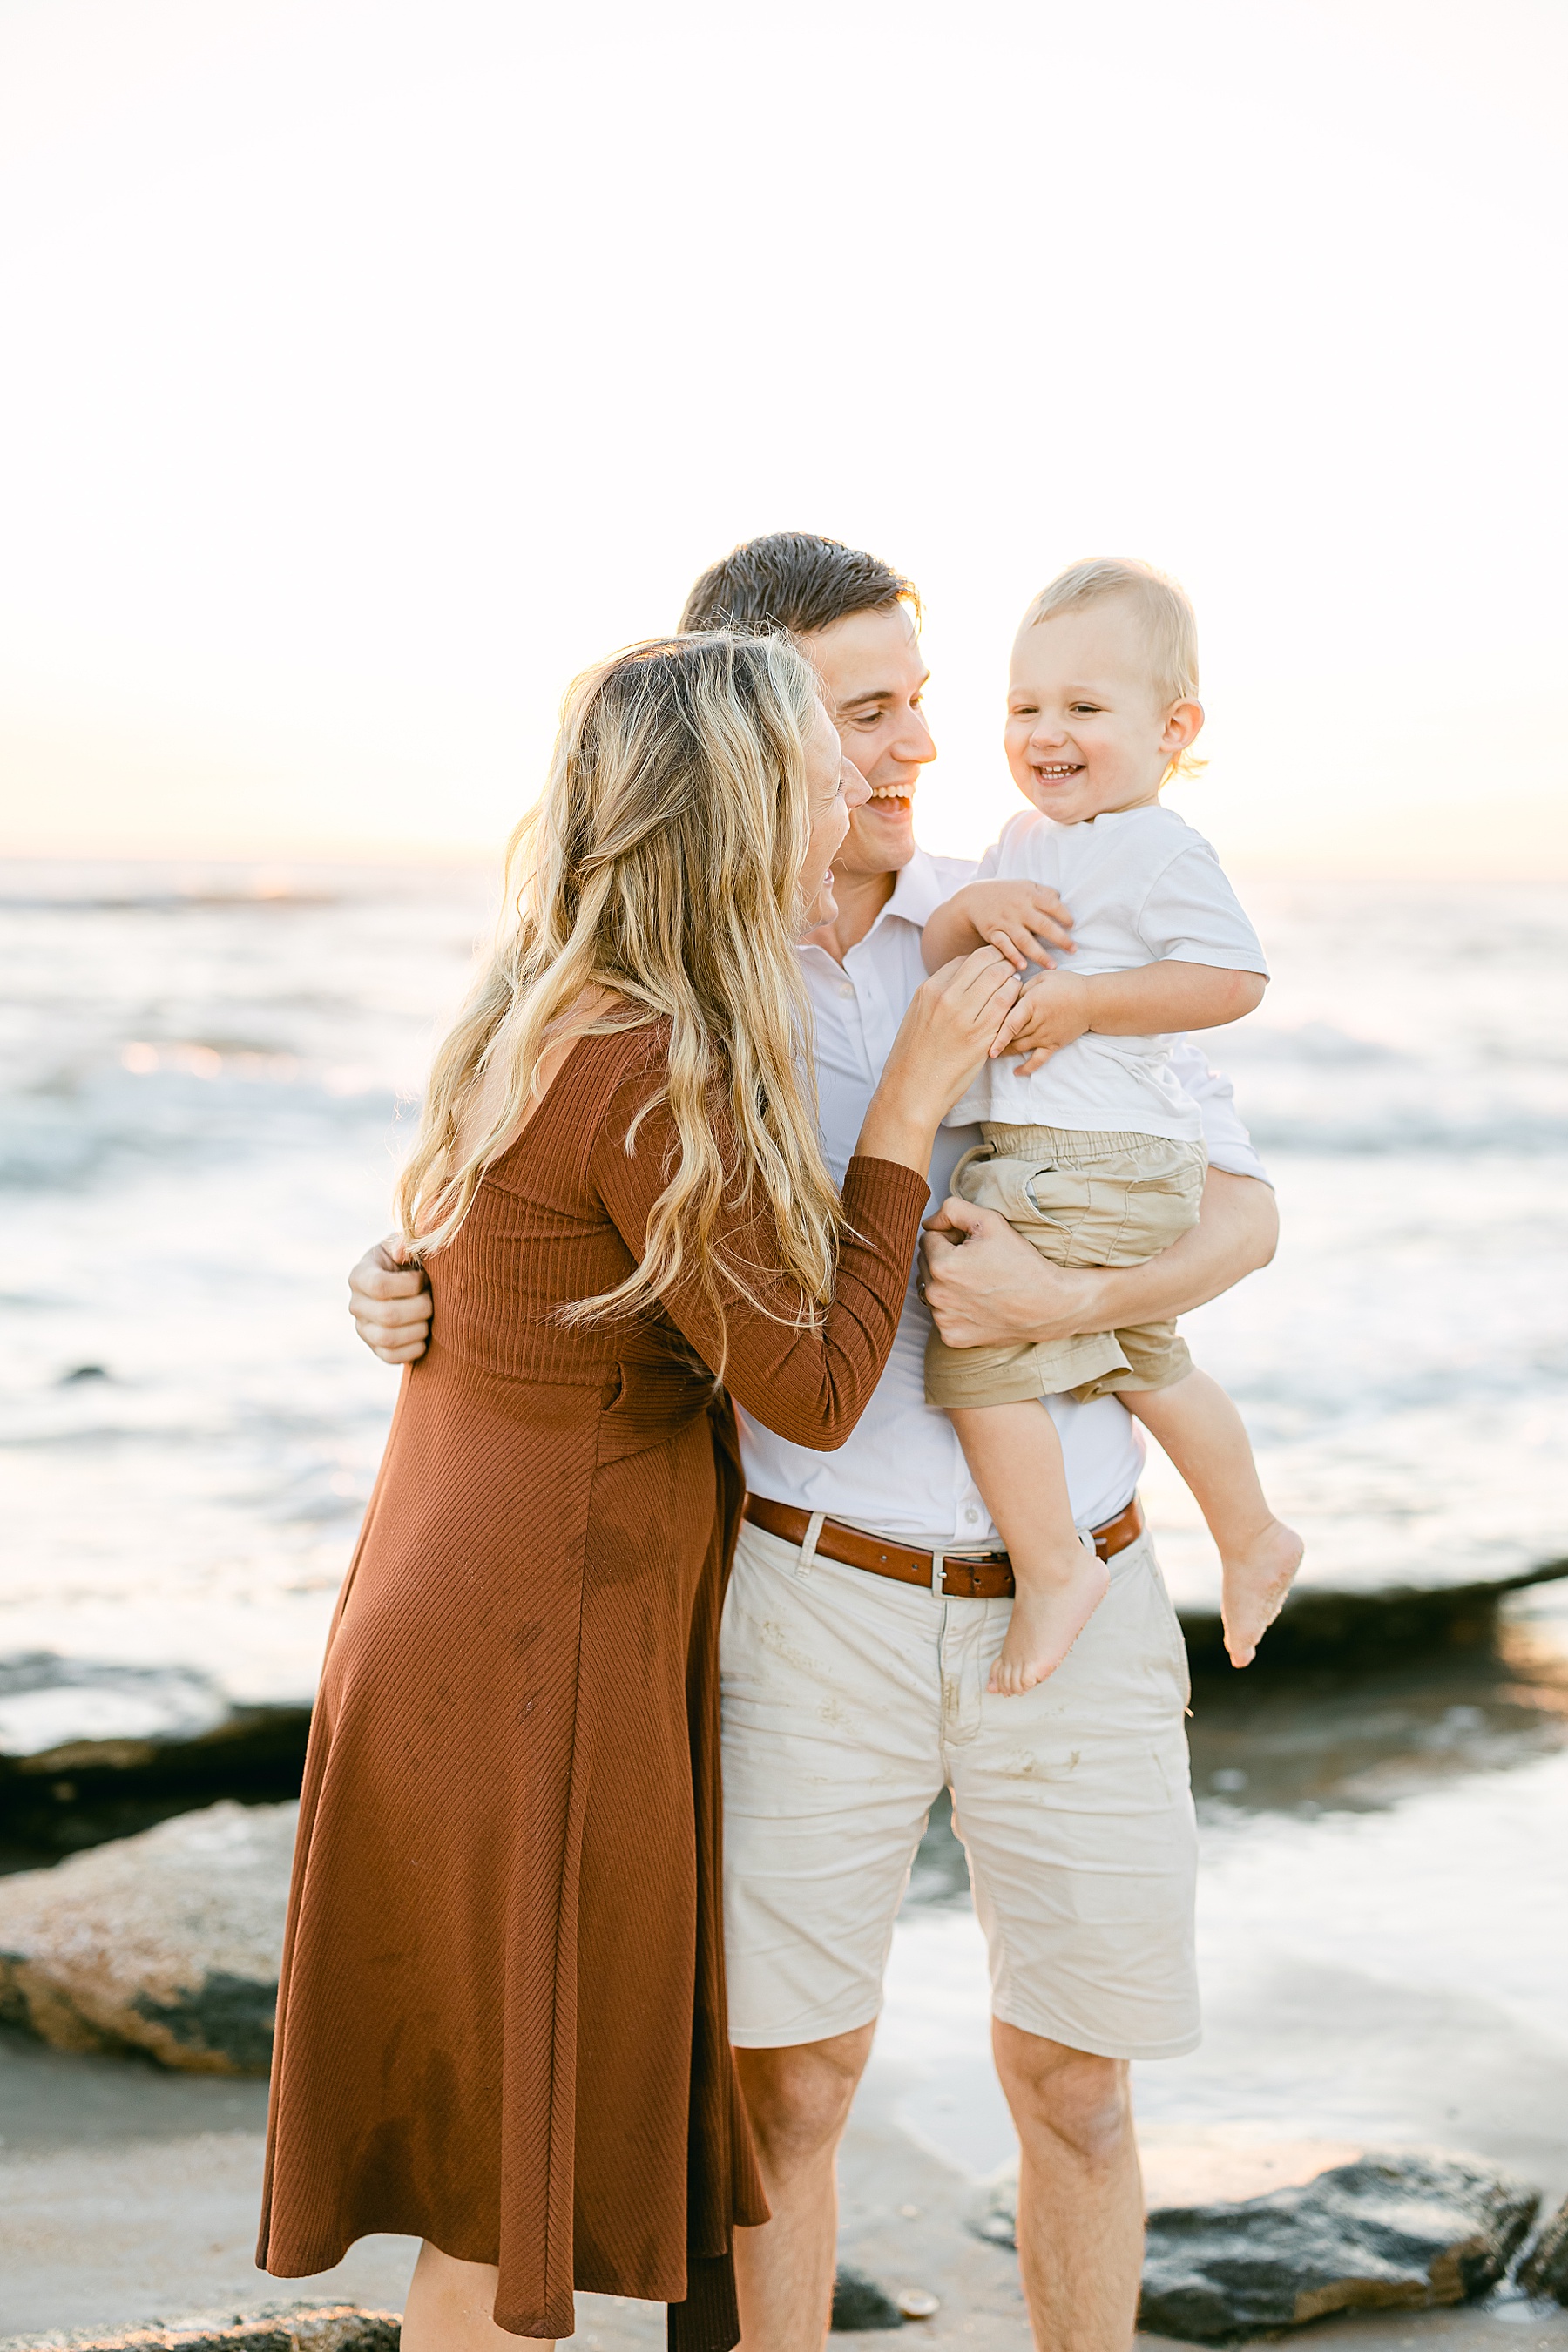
[1092, 1152]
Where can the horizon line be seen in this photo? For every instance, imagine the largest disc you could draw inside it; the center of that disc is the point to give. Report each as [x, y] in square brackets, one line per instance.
[404, 856]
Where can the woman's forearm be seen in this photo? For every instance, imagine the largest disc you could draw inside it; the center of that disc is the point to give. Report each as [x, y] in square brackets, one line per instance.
[897, 1129]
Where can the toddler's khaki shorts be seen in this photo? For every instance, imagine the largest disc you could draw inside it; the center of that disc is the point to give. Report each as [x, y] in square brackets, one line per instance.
[1081, 1197]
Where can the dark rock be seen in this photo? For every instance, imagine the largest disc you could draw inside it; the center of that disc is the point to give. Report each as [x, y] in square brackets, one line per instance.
[1544, 2270]
[264, 2336]
[224, 2012]
[1405, 2232]
[859, 2302]
[308, 2327]
[84, 1372]
[93, 1749]
[169, 1942]
[1325, 1625]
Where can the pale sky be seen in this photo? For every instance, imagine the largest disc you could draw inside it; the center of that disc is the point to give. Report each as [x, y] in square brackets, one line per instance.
[373, 367]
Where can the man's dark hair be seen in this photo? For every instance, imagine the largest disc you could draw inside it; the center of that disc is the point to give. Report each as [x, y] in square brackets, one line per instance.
[792, 579]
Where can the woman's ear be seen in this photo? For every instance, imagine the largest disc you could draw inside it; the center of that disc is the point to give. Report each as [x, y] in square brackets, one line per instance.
[1183, 723]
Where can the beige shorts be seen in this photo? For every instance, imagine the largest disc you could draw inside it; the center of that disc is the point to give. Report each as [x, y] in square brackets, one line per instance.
[850, 1701]
[1080, 1198]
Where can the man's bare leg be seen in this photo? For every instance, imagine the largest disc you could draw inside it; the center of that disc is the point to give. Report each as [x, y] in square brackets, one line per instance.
[1017, 1458]
[798, 2101]
[450, 2306]
[1081, 2196]
[1205, 1436]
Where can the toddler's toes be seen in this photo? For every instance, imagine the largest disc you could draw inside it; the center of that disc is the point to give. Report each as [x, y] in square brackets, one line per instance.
[1256, 1584]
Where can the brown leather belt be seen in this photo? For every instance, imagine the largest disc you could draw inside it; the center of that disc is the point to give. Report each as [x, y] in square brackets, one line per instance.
[988, 1577]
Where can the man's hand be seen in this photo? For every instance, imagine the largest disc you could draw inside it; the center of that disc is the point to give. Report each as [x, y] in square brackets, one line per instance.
[1025, 919]
[984, 1286]
[1052, 1012]
[390, 1303]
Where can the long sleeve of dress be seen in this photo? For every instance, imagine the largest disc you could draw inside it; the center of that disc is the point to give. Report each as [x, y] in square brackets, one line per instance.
[809, 1385]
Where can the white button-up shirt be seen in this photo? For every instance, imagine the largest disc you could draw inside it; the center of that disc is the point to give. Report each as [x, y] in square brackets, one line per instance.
[902, 1473]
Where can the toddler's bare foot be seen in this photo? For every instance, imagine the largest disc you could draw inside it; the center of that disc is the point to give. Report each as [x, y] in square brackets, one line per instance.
[1046, 1621]
[1257, 1579]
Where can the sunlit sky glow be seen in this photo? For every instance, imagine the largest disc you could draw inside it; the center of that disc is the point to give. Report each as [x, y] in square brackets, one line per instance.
[373, 367]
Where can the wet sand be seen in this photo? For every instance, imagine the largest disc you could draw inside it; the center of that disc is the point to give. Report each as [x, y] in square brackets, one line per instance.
[129, 2196]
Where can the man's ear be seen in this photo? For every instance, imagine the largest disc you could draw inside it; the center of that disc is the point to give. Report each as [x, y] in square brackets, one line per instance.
[1183, 721]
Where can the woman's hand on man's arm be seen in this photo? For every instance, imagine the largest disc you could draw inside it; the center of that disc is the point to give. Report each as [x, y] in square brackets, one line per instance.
[390, 1303]
[985, 1288]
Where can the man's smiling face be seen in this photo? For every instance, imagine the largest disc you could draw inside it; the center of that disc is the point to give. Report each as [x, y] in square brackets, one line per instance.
[873, 678]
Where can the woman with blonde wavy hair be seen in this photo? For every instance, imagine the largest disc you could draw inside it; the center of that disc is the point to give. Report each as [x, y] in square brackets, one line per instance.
[501, 2024]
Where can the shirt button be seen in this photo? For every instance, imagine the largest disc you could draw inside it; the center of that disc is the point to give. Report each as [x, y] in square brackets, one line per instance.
[973, 1517]
[844, 989]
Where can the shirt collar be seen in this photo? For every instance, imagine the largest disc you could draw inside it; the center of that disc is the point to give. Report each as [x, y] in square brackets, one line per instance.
[917, 893]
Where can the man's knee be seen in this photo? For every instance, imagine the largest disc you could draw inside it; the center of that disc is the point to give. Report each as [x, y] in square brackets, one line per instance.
[1074, 2098]
[798, 2098]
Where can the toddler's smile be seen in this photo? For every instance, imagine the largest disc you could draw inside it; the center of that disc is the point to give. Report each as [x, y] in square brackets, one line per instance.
[1087, 731]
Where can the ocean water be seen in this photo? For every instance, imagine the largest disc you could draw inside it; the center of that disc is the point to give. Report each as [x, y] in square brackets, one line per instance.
[208, 1075]
[1403, 1365]
[1385, 1977]
[208, 1079]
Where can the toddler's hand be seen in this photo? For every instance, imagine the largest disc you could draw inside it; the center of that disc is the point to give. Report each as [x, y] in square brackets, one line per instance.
[1050, 1013]
[1025, 919]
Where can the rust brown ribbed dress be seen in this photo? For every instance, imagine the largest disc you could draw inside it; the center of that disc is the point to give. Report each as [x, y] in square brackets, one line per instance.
[501, 2021]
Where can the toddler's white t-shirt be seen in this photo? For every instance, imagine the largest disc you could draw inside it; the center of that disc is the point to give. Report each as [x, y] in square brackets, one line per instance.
[1141, 888]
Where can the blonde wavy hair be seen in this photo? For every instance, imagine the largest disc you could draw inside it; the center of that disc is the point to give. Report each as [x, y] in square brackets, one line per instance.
[1169, 627]
[662, 862]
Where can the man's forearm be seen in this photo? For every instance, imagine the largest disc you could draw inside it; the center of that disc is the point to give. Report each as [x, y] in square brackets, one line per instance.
[1236, 1235]
[987, 1287]
[390, 1302]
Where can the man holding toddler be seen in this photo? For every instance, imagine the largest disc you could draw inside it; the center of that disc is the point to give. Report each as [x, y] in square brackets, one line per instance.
[869, 1601]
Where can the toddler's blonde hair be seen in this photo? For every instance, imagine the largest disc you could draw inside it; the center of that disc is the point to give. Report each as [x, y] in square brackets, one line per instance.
[1165, 610]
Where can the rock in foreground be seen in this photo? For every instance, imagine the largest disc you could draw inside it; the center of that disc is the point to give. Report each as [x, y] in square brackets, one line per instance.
[1402, 2233]
[860, 2304]
[1398, 2231]
[1544, 2270]
[169, 1942]
[336, 2327]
